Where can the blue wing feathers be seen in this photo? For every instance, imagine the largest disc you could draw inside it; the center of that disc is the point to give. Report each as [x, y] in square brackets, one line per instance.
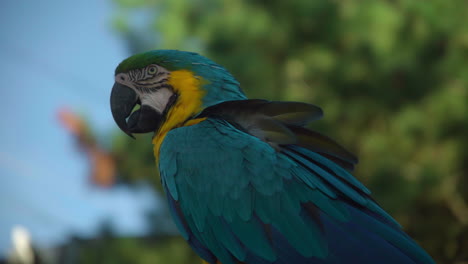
[185, 231]
[177, 216]
[168, 175]
[321, 173]
[221, 231]
[238, 200]
[342, 183]
[351, 243]
[254, 237]
[313, 183]
[339, 171]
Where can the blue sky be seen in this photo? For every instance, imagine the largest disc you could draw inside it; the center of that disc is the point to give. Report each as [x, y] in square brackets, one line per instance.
[57, 53]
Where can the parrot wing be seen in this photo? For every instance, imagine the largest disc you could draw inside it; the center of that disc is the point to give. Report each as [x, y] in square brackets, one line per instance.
[281, 123]
[239, 197]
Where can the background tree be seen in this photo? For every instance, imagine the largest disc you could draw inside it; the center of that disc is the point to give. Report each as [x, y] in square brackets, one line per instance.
[391, 76]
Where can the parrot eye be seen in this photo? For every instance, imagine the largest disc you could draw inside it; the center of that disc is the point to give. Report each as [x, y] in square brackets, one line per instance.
[152, 70]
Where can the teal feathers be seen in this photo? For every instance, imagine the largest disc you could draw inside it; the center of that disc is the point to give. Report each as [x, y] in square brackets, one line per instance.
[234, 189]
[247, 182]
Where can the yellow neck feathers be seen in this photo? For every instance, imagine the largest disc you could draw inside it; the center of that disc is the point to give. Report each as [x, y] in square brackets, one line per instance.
[189, 102]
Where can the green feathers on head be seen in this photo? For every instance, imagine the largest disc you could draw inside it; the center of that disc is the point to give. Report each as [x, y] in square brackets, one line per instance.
[169, 59]
[220, 86]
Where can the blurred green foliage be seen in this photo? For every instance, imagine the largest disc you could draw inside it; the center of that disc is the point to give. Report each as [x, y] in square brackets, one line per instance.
[106, 248]
[391, 76]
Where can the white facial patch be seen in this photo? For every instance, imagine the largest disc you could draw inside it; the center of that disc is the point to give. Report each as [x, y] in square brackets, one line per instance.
[157, 99]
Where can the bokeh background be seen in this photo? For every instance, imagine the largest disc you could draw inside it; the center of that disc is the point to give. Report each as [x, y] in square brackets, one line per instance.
[391, 77]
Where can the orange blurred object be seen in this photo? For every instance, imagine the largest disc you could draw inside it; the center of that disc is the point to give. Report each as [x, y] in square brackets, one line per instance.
[102, 163]
[72, 122]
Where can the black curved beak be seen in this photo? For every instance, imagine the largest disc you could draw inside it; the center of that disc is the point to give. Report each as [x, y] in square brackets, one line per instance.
[123, 100]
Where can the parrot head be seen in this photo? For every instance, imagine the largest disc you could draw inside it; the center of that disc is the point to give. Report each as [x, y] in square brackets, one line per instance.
[168, 85]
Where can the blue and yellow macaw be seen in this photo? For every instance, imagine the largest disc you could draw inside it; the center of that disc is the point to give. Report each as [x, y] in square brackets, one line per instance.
[246, 182]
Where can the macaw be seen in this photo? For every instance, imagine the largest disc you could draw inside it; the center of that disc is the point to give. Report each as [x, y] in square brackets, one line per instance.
[245, 180]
